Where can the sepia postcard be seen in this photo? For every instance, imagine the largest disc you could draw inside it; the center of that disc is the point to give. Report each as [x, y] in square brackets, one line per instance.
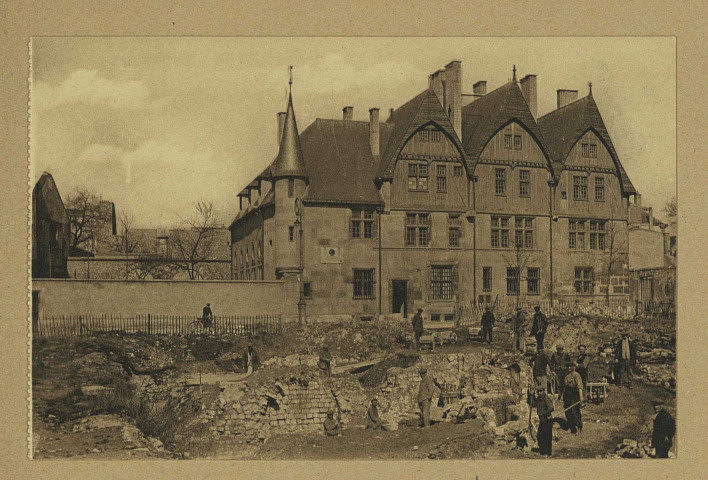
[417, 256]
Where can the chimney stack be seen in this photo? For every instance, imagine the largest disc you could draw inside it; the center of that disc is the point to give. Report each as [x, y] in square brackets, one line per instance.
[529, 90]
[374, 131]
[480, 88]
[447, 85]
[281, 123]
[566, 96]
[347, 113]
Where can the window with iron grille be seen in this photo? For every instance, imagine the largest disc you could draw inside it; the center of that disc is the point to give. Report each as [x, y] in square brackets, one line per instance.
[500, 232]
[589, 150]
[512, 280]
[576, 233]
[500, 181]
[597, 234]
[486, 279]
[599, 189]
[457, 171]
[291, 233]
[424, 135]
[307, 290]
[523, 232]
[435, 135]
[417, 229]
[583, 280]
[363, 283]
[441, 170]
[580, 187]
[533, 280]
[517, 142]
[507, 142]
[417, 177]
[524, 183]
[441, 282]
[363, 225]
[291, 188]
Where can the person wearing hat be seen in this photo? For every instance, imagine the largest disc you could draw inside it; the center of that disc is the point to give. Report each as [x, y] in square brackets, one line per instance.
[625, 359]
[518, 338]
[373, 421]
[663, 431]
[417, 327]
[325, 362]
[426, 390]
[561, 366]
[515, 384]
[331, 426]
[540, 324]
[207, 316]
[488, 322]
[251, 362]
[573, 395]
[544, 410]
[540, 368]
[583, 362]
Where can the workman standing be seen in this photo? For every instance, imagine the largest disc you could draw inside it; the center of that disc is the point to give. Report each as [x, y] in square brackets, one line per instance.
[561, 366]
[488, 322]
[583, 362]
[518, 337]
[544, 410]
[573, 395]
[426, 390]
[417, 327]
[539, 327]
[540, 368]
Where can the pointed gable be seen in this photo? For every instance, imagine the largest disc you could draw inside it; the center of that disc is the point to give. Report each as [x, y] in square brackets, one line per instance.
[417, 112]
[48, 204]
[484, 117]
[565, 126]
[289, 162]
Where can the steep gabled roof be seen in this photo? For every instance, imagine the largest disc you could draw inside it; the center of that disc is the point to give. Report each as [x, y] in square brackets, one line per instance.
[339, 162]
[267, 200]
[484, 117]
[565, 126]
[289, 162]
[406, 120]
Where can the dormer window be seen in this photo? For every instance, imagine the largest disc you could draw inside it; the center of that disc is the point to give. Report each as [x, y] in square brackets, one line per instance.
[424, 136]
[589, 150]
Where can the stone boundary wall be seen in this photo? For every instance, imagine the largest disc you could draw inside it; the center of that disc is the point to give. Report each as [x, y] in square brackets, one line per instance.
[164, 297]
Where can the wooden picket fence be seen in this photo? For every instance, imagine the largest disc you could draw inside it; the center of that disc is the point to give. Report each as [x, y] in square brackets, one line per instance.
[65, 326]
[471, 313]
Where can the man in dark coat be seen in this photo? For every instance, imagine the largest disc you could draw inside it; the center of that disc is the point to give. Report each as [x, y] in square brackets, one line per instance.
[207, 316]
[251, 362]
[540, 368]
[583, 362]
[625, 359]
[373, 421]
[561, 364]
[664, 430]
[488, 322]
[417, 326]
[544, 409]
[573, 395]
[540, 324]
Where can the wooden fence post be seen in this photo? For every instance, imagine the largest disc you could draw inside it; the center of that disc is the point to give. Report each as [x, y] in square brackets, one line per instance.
[149, 326]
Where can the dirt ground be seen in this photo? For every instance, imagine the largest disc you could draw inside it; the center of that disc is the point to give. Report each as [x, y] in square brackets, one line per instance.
[63, 430]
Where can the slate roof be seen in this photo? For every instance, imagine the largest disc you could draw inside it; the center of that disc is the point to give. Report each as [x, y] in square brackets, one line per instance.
[289, 162]
[339, 162]
[565, 126]
[484, 117]
[421, 109]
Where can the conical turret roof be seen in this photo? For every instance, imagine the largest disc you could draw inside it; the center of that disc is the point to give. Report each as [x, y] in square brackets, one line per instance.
[289, 162]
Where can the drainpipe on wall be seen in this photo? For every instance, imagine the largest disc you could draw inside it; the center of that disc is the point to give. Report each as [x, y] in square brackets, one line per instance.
[551, 201]
[380, 274]
[474, 240]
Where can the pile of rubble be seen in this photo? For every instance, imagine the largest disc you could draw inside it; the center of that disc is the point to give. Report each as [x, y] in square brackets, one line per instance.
[663, 375]
[632, 449]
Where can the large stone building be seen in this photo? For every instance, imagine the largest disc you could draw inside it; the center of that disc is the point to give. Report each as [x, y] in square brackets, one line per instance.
[453, 198]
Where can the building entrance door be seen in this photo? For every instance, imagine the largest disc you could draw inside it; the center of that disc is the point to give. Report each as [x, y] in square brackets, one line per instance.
[647, 289]
[400, 297]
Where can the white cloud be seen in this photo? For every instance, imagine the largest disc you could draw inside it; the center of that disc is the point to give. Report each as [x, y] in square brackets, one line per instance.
[85, 86]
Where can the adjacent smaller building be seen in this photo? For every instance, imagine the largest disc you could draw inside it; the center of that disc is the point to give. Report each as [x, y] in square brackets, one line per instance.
[50, 230]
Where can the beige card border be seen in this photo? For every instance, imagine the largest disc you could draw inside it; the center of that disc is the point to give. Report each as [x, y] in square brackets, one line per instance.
[21, 19]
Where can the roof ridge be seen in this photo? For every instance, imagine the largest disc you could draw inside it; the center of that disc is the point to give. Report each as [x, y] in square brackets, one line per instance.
[564, 106]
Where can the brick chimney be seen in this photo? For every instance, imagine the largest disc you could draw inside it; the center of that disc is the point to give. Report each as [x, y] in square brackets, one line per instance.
[528, 88]
[566, 96]
[374, 131]
[347, 113]
[447, 85]
[281, 122]
[480, 88]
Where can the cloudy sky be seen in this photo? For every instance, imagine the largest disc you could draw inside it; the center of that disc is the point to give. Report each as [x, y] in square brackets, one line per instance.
[156, 124]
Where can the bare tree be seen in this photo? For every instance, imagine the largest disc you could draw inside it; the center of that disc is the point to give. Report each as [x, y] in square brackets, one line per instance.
[615, 246]
[671, 209]
[90, 220]
[126, 242]
[519, 259]
[196, 242]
